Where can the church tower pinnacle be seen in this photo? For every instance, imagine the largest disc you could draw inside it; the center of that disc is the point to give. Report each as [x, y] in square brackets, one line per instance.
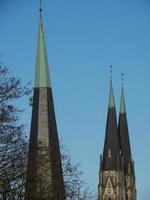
[116, 174]
[111, 177]
[111, 145]
[44, 179]
[128, 163]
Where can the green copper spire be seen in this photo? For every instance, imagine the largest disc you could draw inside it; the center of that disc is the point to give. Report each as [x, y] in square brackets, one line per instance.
[122, 102]
[42, 78]
[111, 96]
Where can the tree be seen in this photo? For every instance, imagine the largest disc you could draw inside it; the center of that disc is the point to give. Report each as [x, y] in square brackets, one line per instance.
[75, 186]
[14, 147]
[12, 141]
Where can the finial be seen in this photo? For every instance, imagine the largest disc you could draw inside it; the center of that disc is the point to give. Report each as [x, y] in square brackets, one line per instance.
[110, 73]
[40, 6]
[122, 79]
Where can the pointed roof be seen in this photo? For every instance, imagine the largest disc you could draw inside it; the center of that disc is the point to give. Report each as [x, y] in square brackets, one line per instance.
[123, 132]
[111, 96]
[111, 145]
[42, 78]
[122, 102]
[44, 179]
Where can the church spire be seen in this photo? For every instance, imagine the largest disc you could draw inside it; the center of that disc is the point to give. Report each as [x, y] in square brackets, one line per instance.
[111, 96]
[117, 179]
[111, 146]
[111, 181]
[42, 78]
[122, 102]
[123, 132]
[44, 169]
[128, 163]
[111, 92]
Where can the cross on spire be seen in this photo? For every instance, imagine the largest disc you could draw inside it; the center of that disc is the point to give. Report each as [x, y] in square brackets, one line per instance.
[40, 6]
[122, 79]
[110, 72]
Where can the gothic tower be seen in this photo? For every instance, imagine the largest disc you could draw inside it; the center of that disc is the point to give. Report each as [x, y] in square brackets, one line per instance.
[128, 163]
[44, 179]
[116, 175]
[111, 175]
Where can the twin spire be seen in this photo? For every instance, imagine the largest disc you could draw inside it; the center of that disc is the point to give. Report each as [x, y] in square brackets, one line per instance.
[117, 137]
[117, 176]
[111, 95]
[112, 99]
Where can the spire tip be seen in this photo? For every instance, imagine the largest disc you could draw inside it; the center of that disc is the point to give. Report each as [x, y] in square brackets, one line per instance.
[122, 79]
[40, 9]
[111, 93]
[122, 102]
[110, 67]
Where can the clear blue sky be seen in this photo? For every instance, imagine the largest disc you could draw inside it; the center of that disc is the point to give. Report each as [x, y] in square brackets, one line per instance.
[83, 38]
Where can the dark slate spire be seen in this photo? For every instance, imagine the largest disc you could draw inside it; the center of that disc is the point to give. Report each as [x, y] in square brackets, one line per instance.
[123, 132]
[44, 170]
[111, 146]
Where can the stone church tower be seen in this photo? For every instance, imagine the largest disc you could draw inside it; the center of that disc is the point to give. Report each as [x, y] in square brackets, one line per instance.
[116, 175]
[44, 179]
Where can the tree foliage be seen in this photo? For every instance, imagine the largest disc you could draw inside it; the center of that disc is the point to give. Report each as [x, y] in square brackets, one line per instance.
[12, 142]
